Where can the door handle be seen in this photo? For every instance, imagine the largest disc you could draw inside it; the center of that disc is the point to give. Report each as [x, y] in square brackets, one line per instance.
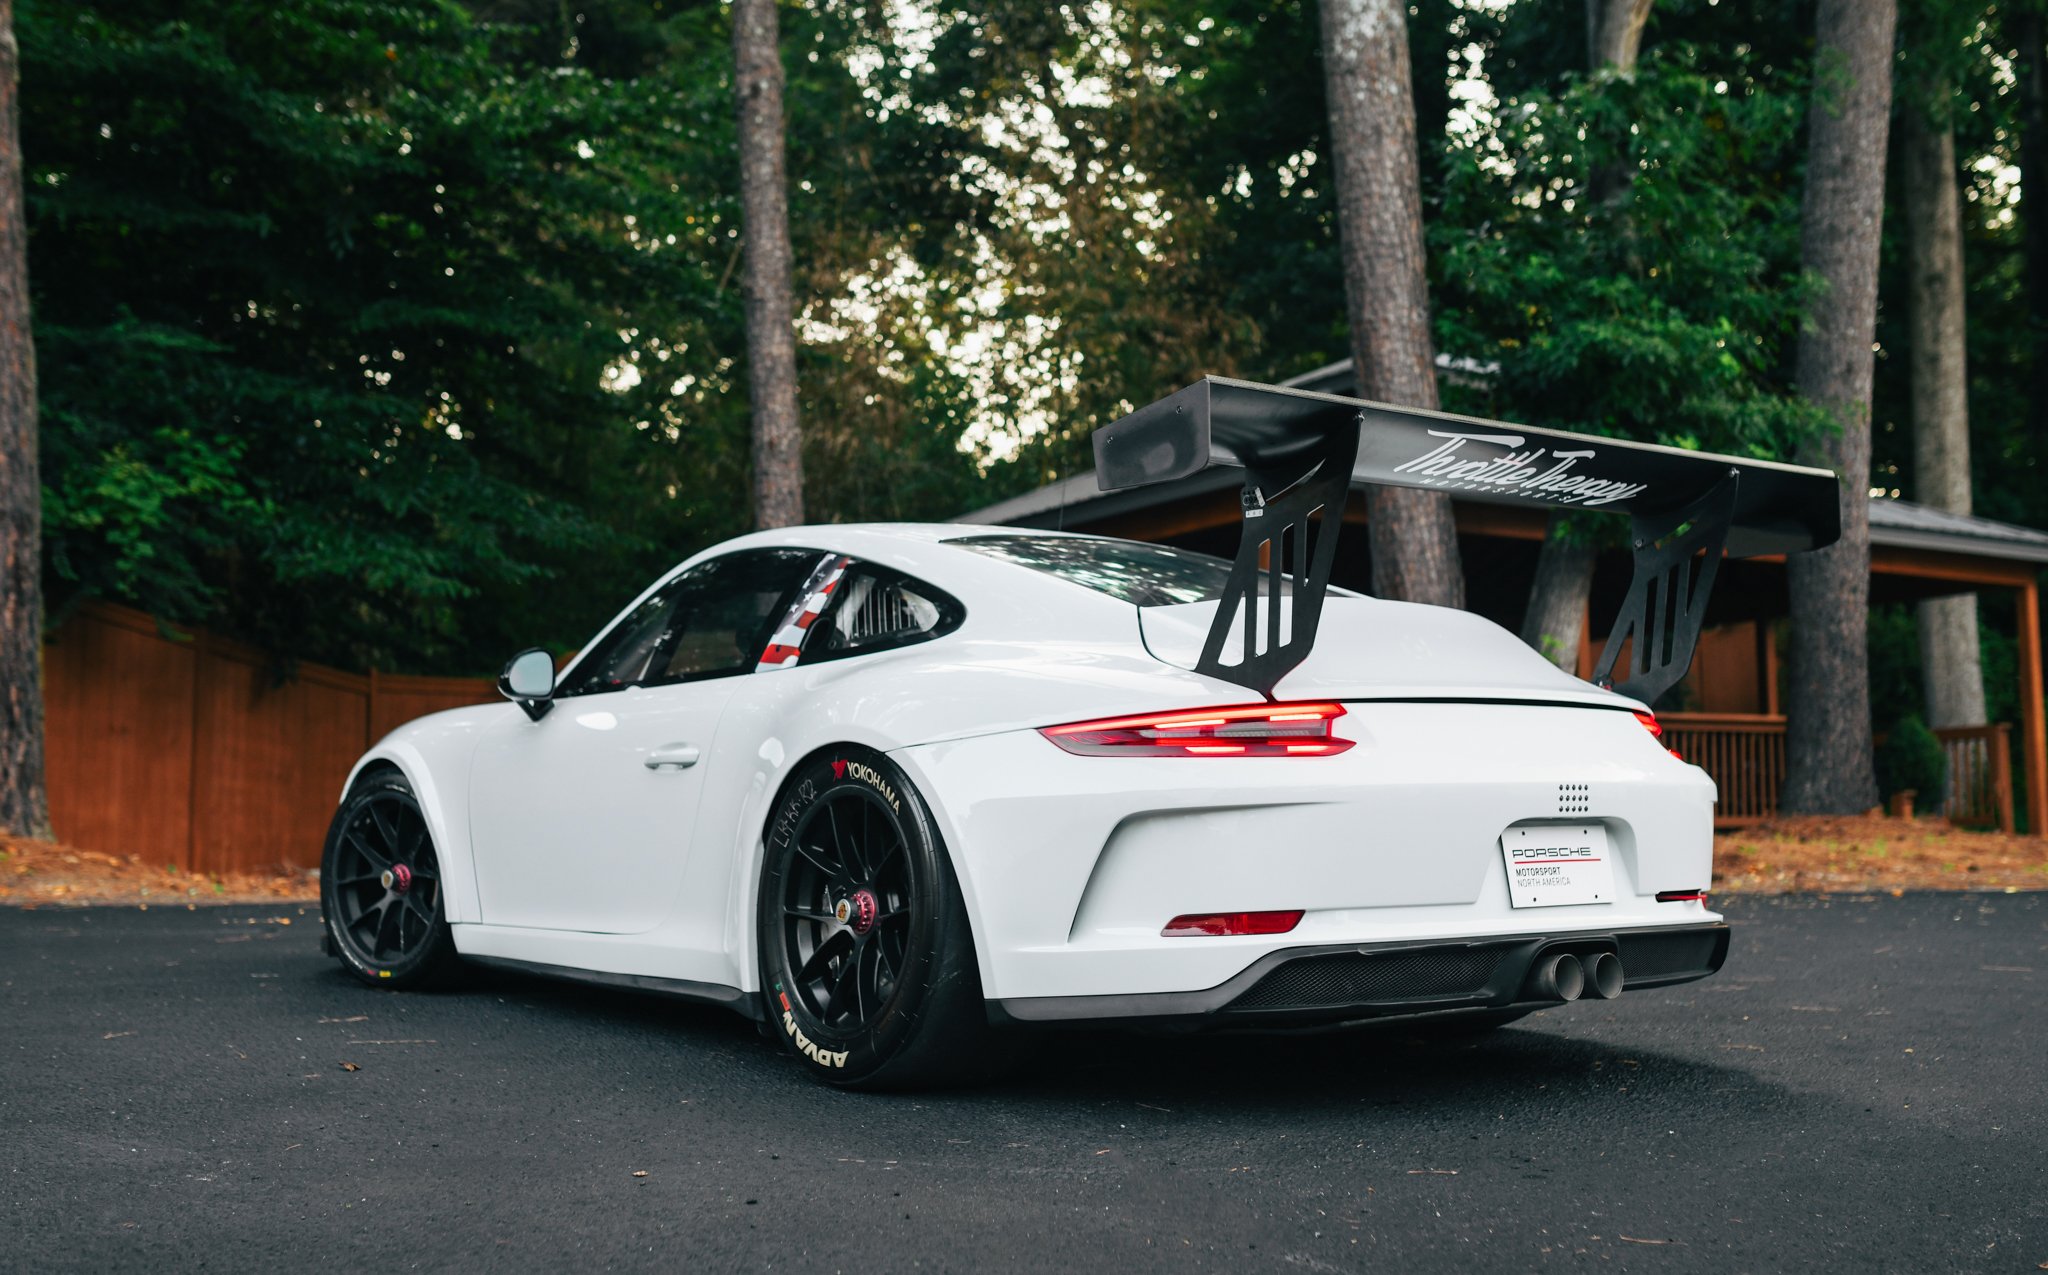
[681, 756]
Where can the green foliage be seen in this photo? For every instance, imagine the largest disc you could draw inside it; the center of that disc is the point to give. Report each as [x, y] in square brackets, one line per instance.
[408, 332]
[327, 295]
[1959, 60]
[1911, 760]
[1895, 686]
[1626, 250]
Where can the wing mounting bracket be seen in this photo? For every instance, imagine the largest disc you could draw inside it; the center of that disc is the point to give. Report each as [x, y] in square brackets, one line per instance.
[1677, 555]
[1284, 551]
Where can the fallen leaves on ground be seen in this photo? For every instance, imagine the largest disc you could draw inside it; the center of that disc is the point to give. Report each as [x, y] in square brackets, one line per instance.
[45, 872]
[1863, 853]
[1829, 854]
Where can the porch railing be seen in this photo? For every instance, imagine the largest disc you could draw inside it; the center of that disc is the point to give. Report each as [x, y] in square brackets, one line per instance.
[1745, 753]
[1979, 774]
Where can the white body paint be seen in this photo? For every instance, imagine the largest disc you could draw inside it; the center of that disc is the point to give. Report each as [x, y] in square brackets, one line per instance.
[560, 847]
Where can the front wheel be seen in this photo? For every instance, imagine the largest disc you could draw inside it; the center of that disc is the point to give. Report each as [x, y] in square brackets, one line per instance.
[867, 963]
[380, 886]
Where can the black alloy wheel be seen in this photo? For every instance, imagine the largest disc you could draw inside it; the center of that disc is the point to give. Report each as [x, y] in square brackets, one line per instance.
[380, 886]
[867, 963]
[846, 909]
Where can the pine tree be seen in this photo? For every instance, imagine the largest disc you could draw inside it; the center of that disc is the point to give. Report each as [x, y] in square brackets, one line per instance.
[771, 309]
[1379, 213]
[1828, 735]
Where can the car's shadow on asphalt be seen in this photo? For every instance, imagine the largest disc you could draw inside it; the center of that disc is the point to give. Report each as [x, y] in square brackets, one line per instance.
[1510, 1068]
[1526, 1066]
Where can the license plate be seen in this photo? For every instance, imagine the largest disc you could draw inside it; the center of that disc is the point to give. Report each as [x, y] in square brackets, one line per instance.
[1556, 865]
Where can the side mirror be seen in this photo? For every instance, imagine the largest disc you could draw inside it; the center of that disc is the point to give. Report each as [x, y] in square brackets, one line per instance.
[529, 681]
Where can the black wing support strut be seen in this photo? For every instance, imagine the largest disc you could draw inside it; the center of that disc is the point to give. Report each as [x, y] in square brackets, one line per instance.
[1284, 552]
[1676, 558]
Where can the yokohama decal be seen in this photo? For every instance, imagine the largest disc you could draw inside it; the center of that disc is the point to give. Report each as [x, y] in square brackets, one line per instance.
[871, 777]
[787, 645]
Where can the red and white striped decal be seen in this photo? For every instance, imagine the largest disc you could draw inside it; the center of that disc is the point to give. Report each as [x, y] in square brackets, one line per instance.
[788, 643]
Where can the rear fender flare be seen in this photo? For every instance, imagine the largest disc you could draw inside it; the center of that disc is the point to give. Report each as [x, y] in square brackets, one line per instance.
[759, 818]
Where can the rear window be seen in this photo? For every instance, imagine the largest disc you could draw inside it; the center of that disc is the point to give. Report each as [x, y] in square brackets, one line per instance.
[1142, 574]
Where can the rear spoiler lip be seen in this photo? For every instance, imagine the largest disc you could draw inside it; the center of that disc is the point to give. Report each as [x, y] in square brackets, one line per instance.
[1222, 421]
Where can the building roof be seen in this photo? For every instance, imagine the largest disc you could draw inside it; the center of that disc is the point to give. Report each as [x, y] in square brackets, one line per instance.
[1909, 526]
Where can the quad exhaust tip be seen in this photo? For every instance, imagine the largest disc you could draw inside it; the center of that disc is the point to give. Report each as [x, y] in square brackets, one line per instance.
[1604, 974]
[1561, 977]
[1565, 977]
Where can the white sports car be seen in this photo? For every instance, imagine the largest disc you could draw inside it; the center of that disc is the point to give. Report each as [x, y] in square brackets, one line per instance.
[891, 789]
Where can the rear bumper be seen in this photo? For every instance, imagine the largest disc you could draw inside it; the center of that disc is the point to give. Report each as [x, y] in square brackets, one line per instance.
[1071, 866]
[1341, 983]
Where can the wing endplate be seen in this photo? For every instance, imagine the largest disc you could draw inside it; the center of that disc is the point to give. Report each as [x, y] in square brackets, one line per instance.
[1676, 558]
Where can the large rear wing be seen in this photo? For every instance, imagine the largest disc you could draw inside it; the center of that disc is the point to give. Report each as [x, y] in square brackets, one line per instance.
[1302, 450]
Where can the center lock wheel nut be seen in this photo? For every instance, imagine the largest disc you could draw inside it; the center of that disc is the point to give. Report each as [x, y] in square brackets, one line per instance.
[857, 911]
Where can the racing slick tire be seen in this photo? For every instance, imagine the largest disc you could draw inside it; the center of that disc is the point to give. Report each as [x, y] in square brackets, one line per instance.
[381, 899]
[867, 962]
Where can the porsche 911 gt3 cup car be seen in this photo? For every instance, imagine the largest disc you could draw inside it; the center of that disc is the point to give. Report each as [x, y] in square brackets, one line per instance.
[891, 789]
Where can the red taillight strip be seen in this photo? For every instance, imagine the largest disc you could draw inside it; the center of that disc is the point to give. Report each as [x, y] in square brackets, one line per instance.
[1212, 924]
[1656, 729]
[1681, 896]
[1190, 718]
[1249, 730]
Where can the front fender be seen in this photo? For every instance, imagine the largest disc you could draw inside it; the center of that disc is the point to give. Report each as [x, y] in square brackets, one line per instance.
[434, 754]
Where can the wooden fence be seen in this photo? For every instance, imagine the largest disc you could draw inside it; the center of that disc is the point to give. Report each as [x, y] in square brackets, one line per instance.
[1745, 753]
[189, 749]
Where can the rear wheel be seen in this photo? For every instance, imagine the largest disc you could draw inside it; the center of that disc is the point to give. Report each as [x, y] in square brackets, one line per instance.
[380, 886]
[867, 965]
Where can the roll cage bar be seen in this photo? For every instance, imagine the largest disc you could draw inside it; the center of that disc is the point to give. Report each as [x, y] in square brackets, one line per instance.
[1302, 450]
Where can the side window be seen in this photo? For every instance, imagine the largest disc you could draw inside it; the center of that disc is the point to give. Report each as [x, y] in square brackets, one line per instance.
[874, 609]
[711, 621]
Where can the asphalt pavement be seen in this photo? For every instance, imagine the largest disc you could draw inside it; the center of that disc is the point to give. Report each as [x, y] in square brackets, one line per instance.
[1865, 1088]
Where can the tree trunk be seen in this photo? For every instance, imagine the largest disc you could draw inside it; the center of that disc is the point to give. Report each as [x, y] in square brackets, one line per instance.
[2033, 77]
[1555, 616]
[24, 805]
[1950, 665]
[771, 310]
[1379, 217]
[1828, 739]
[1614, 32]
[1556, 619]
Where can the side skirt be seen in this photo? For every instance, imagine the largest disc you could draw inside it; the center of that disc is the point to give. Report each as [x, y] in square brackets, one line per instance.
[731, 998]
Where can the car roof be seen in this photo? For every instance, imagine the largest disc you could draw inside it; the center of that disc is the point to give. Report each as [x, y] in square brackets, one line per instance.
[914, 532]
